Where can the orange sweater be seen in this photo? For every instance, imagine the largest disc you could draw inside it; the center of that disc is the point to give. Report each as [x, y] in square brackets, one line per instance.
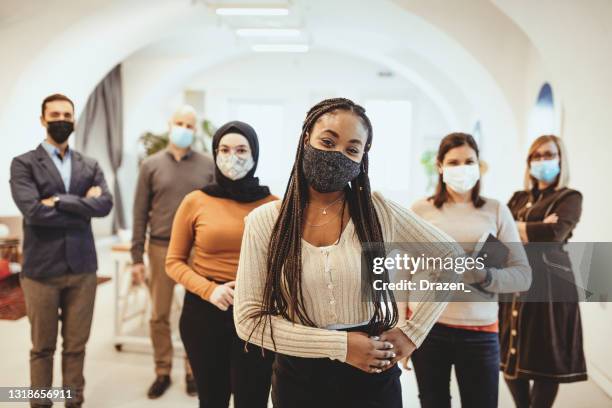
[213, 228]
[490, 328]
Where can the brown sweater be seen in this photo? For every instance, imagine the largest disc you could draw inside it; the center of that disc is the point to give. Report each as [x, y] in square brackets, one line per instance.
[162, 183]
[213, 227]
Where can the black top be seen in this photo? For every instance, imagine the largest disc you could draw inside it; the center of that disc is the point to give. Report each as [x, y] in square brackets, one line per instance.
[533, 206]
[540, 330]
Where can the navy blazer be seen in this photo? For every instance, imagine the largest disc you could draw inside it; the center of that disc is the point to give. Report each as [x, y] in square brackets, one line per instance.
[58, 240]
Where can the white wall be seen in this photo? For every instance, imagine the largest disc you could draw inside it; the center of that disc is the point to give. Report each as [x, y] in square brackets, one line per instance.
[83, 40]
[67, 46]
[295, 82]
[574, 40]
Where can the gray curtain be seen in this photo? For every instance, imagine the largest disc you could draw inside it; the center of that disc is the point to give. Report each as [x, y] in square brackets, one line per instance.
[101, 125]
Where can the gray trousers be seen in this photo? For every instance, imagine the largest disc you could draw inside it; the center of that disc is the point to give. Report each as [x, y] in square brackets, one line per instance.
[162, 291]
[68, 299]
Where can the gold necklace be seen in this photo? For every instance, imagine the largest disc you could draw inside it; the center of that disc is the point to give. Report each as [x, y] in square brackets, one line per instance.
[341, 211]
[329, 205]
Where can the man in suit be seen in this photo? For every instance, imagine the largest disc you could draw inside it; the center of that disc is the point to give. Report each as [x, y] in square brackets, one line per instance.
[58, 191]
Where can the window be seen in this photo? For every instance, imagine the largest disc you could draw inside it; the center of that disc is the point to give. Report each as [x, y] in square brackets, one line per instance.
[544, 117]
[391, 156]
[266, 117]
[477, 134]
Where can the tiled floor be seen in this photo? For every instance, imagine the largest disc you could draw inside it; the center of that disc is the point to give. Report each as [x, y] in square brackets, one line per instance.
[119, 379]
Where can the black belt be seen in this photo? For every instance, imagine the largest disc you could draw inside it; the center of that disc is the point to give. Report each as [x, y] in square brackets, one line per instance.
[158, 238]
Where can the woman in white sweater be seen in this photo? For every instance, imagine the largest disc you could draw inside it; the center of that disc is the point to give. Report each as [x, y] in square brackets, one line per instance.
[299, 282]
[466, 333]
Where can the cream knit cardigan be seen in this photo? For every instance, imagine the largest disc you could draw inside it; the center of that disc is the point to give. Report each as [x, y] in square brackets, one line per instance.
[331, 283]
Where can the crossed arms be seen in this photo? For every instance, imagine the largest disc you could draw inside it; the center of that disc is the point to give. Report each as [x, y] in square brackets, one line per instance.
[61, 210]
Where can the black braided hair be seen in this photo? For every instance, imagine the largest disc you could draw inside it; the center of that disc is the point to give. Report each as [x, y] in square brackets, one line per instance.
[283, 294]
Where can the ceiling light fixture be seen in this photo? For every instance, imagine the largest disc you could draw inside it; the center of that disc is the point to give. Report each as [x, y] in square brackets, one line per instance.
[252, 11]
[268, 32]
[280, 48]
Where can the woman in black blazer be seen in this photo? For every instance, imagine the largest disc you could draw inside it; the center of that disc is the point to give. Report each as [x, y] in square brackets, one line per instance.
[541, 331]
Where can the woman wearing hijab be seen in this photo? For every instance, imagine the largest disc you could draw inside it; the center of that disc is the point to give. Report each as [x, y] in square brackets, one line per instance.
[208, 226]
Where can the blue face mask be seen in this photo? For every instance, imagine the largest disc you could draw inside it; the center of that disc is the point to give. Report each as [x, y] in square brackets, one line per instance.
[545, 170]
[181, 137]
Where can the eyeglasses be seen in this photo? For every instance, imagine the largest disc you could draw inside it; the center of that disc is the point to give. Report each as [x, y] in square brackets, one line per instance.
[544, 156]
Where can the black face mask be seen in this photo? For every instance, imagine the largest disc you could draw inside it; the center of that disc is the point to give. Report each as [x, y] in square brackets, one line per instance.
[328, 171]
[59, 130]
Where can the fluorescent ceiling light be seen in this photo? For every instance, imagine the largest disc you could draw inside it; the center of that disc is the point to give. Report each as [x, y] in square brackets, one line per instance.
[280, 48]
[252, 11]
[268, 32]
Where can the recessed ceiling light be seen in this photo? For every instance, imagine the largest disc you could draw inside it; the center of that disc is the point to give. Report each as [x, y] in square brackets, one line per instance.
[268, 32]
[385, 73]
[252, 11]
[280, 48]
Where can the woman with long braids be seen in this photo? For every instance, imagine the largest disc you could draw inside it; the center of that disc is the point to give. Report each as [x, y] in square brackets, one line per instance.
[299, 282]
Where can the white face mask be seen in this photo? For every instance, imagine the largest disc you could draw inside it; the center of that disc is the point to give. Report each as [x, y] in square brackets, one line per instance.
[234, 167]
[461, 178]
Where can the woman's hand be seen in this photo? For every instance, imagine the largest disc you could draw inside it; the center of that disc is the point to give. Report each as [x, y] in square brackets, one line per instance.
[368, 354]
[223, 295]
[403, 346]
[474, 275]
[551, 219]
[406, 364]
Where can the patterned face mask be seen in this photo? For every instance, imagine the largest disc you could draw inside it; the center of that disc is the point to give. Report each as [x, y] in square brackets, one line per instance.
[328, 171]
[234, 167]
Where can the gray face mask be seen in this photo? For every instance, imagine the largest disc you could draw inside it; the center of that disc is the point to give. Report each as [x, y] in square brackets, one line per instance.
[328, 171]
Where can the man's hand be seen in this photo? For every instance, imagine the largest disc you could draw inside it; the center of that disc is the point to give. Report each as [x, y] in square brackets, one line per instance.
[402, 345]
[49, 202]
[94, 192]
[138, 274]
[223, 295]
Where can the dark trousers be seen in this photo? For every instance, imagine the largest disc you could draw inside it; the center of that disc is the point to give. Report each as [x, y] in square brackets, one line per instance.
[68, 299]
[475, 355]
[541, 395]
[218, 360]
[323, 383]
